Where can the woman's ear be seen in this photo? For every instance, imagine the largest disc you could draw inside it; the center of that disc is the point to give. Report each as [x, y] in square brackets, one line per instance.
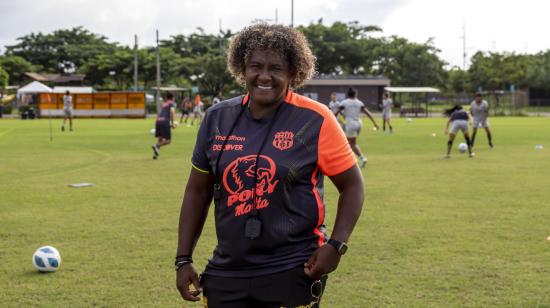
[293, 77]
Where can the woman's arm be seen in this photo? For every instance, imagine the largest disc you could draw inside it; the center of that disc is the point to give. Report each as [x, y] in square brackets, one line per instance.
[350, 202]
[172, 113]
[367, 112]
[194, 209]
[447, 126]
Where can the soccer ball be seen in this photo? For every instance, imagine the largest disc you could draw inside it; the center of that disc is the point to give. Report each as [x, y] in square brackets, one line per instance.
[46, 259]
[463, 147]
[409, 120]
[153, 131]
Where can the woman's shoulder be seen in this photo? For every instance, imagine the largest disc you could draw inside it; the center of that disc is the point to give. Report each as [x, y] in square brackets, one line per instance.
[228, 103]
[301, 101]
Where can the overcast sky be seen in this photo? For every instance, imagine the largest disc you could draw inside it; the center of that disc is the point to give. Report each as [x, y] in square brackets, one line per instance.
[491, 25]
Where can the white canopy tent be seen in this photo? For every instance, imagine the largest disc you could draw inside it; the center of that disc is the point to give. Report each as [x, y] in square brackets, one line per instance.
[27, 95]
[34, 87]
[149, 98]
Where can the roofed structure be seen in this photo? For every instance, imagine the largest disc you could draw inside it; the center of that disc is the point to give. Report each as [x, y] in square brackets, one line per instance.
[56, 78]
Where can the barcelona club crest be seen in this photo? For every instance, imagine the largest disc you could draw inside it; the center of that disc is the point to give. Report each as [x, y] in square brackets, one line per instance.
[283, 140]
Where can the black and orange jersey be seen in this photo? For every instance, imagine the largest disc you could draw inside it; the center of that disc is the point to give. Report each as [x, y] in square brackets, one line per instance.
[164, 114]
[304, 144]
[459, 115]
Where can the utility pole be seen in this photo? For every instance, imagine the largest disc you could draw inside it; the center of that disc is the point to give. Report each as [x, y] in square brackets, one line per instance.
[464, 56]
[221, 38]
[135, 63]
[292, 13]
[157, 97]
[464, 46]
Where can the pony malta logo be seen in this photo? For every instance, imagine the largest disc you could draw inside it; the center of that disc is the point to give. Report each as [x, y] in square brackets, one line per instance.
[240, 173]
[283, 140]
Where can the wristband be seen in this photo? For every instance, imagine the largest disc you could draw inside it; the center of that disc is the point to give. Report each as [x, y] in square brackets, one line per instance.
[182, 263]
[182, 260]
[184, 257]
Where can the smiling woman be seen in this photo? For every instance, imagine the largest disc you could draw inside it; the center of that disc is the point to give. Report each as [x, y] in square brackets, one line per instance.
[262, 157]
[289, 43]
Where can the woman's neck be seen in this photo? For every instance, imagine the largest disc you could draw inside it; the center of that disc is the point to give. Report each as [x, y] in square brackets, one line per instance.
[259, 111]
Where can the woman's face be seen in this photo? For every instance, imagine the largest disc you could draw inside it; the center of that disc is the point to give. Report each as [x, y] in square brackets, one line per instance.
[267, 75]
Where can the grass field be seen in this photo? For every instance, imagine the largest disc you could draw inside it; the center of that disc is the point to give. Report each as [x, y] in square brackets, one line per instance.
[434, 232]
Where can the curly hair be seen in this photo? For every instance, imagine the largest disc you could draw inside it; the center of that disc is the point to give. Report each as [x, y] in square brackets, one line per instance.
[289, 42]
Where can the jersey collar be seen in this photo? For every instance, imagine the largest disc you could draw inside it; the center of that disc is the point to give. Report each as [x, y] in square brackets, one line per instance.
[288, 97]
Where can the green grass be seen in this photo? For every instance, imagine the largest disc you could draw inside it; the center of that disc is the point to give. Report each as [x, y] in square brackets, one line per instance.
[434, 232]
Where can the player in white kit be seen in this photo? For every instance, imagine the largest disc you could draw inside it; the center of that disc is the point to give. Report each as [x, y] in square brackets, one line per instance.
[352, 107]
[67, 110]
[334, 105]
[387, 105]
[479, 109]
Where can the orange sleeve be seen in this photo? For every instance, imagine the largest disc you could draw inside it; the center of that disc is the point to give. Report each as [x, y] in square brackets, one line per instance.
[334, 153]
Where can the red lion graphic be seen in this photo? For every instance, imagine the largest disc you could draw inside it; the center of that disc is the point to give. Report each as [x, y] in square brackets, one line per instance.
[243, 167]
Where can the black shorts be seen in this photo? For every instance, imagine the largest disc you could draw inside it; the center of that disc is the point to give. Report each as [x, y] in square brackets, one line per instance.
[185, 112]
[162, 130]
[292, 288]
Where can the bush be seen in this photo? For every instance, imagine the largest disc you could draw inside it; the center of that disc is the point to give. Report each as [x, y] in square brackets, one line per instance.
[6, 108]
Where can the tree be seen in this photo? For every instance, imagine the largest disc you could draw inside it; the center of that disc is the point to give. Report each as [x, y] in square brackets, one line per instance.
[341, 48]
[498, 71]
[211, 75]
[203, 60]
[538, 72]
[171, 66]
[63, 51]
[350, 48]
[115, 68]
[199, 58]
[4, 78]
[410, 64]
[458, 81]
[16, 67]
[198, 44]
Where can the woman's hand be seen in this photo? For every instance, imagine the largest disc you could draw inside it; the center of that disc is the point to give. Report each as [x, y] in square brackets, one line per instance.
[323, 261]
[186, 276]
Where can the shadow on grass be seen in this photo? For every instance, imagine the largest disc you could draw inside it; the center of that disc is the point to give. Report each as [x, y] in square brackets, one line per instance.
[34, 273]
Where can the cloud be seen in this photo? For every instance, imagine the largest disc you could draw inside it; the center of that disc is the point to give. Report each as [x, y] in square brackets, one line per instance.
[490, 24]
[119, 20]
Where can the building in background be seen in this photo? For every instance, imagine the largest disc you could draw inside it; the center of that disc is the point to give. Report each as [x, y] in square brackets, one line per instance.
[369, 88]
